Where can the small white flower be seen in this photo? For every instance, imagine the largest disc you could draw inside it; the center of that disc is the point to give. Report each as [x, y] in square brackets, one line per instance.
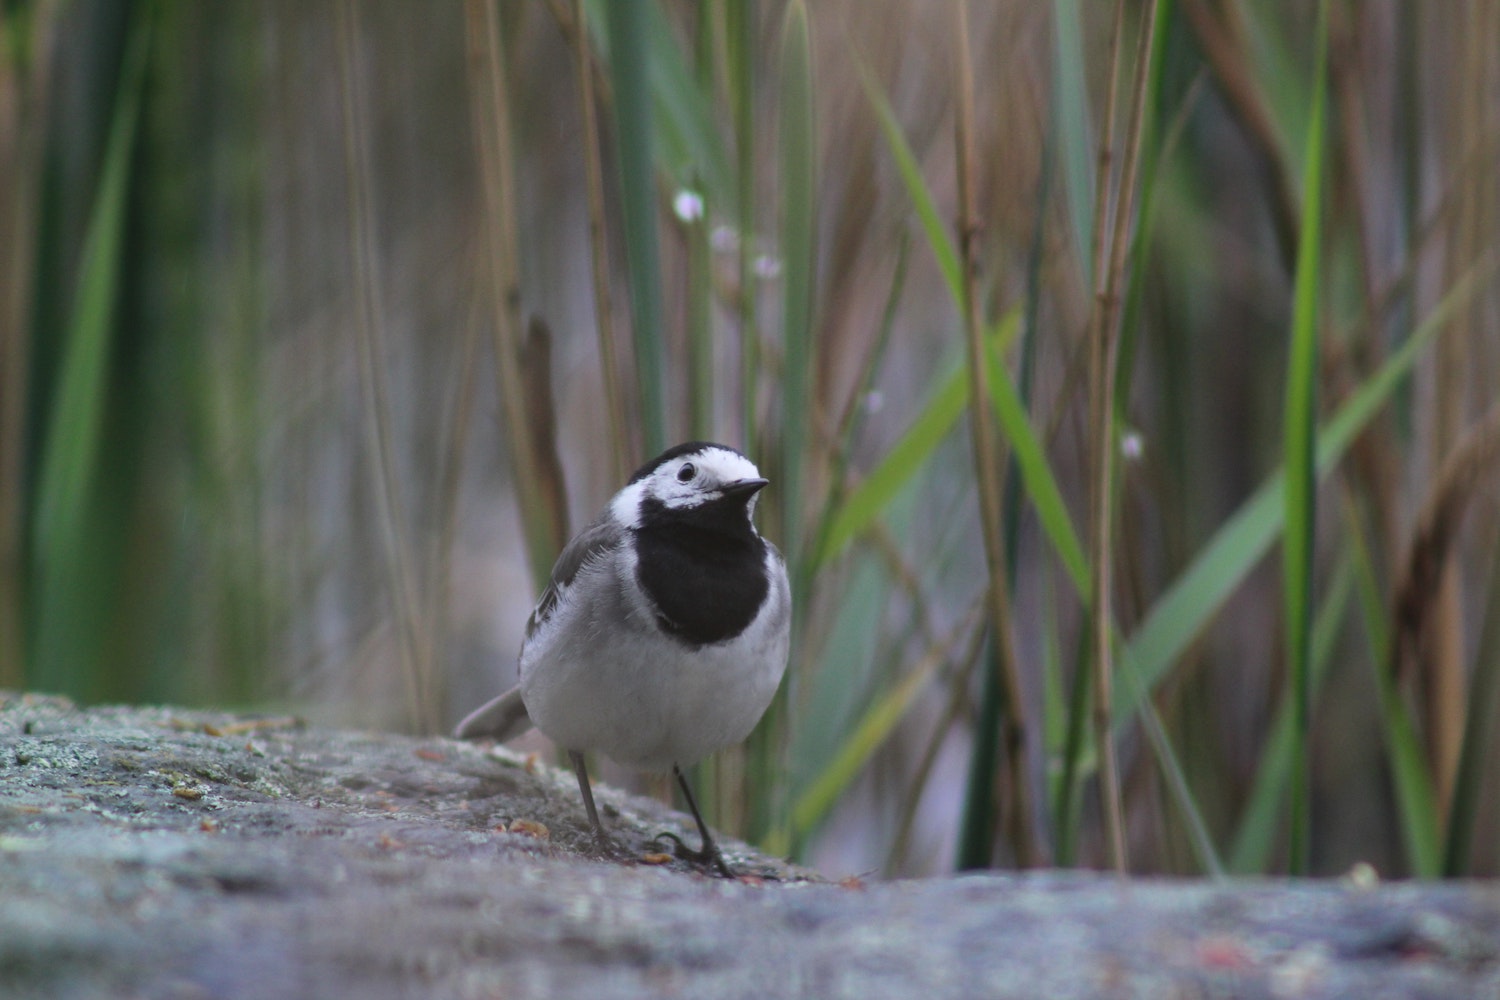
[1132, 445]
[767, 267]
[688, 205]
[874, 401]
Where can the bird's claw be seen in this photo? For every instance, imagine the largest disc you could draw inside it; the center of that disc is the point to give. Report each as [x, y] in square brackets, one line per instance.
[709, 854]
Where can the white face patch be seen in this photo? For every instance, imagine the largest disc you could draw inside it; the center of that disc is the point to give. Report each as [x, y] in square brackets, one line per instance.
[625, 508]
[684, 482]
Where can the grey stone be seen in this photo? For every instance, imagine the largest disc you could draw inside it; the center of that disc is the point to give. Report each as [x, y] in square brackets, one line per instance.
[157, 852]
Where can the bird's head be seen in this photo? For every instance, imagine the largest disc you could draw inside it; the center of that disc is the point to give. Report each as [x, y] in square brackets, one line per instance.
[695, 482]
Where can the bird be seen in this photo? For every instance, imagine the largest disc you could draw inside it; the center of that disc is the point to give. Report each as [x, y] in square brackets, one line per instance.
[663, 633]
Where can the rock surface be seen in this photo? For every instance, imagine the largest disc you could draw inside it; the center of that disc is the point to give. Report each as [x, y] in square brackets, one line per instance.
[151, 852]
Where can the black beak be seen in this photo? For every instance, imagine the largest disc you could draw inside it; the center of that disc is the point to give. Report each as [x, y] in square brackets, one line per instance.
[744, 488]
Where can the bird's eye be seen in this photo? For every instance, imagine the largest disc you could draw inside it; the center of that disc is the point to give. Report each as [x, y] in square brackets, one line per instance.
[686, 473]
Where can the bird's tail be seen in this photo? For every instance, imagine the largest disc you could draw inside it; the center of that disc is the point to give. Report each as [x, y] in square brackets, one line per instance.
[501, 719]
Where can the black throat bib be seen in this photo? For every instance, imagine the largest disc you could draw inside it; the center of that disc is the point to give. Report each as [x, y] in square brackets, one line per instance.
[703, 568]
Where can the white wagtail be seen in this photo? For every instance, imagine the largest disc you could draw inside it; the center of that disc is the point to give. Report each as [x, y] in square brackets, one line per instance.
[663, 633]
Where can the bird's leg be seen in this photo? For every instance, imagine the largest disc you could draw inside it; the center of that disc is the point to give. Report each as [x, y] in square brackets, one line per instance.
[709, 852]
[601, 839]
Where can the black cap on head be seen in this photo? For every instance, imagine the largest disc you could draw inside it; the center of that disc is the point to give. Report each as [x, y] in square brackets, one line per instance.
[678, 451]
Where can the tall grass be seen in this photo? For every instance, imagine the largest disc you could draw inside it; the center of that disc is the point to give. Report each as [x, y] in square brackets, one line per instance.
[73, 546]
[1300, 446]
[630, 62]
[1023, 309]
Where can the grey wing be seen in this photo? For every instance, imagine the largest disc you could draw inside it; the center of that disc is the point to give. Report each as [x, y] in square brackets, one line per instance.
[590, 543]
[505, 717]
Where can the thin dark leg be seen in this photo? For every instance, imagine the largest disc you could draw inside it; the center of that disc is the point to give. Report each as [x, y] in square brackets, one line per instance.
[582, 772]
[604, 845]
[710, 850]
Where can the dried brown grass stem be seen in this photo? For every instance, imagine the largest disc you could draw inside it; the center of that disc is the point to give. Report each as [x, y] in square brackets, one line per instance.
[1101, 425]
[370, 333]
[542, 524]
[987, 465]
[623, 450]
[1418, 604]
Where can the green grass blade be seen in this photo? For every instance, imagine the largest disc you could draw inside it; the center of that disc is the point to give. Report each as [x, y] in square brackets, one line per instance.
[933, 226]
[1067, 794]
[1026, 365]
[701, 366]
[847, 426]
[1260, 820]
[863, 740]
[629, 60]
[1070, 109]
[976, 839]
[1191, 602]
[1175, 777]
[1484, 703]
[899, 467]
[1153, 150]
[852, 660]
[687, 142]
[932, 425]
[68, 599]
[691, 145]
[741, 45]
[1416, 799]
[1299, 444]
[976, 831]
[699, 279]
[1006, 400]
[799, 268]
[1036, 472]
[75, 424]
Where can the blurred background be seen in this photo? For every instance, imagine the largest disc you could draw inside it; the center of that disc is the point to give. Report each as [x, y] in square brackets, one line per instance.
[1126, 373]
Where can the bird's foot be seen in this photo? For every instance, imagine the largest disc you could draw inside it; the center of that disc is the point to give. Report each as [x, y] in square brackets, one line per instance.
[708, 855]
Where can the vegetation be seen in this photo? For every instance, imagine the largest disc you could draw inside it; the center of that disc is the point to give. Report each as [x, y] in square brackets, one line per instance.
[1127, 374]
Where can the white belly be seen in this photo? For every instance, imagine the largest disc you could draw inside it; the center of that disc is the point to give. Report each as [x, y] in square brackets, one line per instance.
[638, 696]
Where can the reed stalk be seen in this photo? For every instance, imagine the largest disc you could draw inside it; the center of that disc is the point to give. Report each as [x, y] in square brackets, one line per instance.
[986, 459]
